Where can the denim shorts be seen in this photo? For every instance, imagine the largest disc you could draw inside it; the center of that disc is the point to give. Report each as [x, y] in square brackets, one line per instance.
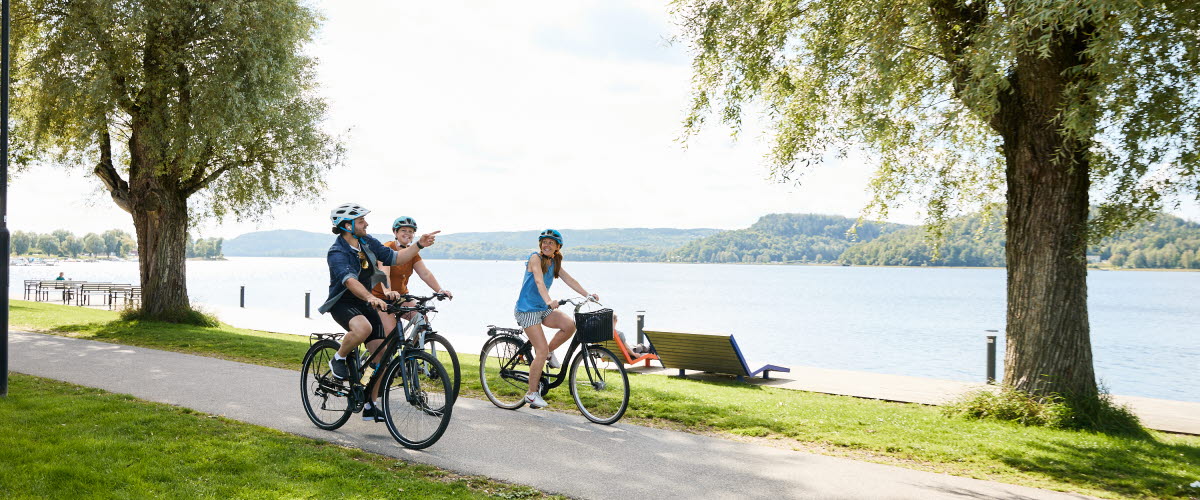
[530, 318]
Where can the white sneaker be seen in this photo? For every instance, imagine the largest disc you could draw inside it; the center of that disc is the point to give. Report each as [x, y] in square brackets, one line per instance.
[535, 400]
[553, 361]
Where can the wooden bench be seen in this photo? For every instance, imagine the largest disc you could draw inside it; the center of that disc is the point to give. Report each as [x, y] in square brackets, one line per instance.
[705, 352]
[68, 289]
[87, 290]
[31, 288]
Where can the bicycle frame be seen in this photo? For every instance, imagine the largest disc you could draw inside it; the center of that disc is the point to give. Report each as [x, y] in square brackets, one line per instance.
[548, 380]
[414, 339]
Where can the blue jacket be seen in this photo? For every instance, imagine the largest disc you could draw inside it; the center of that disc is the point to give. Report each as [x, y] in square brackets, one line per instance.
[344, 264]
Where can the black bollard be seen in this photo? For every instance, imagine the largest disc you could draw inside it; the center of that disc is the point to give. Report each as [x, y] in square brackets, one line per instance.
[641, 336]
[991, 357]
[307, 298]
[243, 297]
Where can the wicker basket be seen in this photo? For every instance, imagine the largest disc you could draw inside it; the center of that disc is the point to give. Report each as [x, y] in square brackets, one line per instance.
[594, 327]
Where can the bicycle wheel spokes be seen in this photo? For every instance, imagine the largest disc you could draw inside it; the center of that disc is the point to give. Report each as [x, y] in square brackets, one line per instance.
[416, 400]
[505, 379]
[599, 385]
[441, 349]
[325, 398]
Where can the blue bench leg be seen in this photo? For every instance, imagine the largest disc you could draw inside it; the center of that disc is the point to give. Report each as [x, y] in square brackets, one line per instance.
[681, 372]
[741, 378]
[766, 374]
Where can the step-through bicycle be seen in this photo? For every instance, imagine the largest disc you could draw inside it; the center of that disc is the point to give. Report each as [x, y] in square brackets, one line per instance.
[597, 379]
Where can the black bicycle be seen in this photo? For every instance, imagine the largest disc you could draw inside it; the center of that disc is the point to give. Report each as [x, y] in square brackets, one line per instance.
[416, 391]
[597, 378]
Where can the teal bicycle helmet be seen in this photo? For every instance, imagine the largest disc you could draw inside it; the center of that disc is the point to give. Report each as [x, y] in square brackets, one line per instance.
[552, 234]
[404, 221]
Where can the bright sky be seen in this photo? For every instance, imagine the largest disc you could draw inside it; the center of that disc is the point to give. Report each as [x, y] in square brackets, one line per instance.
[494, 116]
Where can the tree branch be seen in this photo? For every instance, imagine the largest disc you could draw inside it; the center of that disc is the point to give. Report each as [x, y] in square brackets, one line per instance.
[956, 24]
[199, 184]
[117, 187]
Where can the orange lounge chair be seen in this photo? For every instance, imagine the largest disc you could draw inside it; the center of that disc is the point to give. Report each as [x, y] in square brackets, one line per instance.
[631, 358]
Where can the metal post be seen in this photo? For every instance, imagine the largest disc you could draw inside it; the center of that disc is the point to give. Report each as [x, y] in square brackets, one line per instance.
[4, 197]
[243, 297]
[307, 301]
[641, 336]
[991, 357]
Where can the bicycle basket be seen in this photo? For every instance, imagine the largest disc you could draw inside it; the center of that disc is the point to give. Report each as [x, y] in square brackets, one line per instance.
[594, 327]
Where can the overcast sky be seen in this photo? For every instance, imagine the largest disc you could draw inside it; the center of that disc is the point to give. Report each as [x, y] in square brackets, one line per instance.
[495, 116]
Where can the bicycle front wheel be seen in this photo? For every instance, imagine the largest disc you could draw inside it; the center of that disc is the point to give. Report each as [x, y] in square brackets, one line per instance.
[599, 385]
[436, 345]
[326, 399]
[504, 375]
[416, 399]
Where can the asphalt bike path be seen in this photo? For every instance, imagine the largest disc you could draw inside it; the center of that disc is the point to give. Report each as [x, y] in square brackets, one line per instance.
[560, 453]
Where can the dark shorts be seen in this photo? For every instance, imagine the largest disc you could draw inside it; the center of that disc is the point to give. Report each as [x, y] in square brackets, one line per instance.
[345, 310]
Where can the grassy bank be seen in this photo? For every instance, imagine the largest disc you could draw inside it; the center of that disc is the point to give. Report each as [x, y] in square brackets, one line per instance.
[1154, 466]
[67, 441]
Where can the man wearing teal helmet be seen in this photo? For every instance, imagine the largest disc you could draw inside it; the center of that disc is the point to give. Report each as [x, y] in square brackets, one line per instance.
[535, 308]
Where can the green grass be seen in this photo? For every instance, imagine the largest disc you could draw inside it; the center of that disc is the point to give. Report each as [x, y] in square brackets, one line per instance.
[66, 441]
[1155, 465]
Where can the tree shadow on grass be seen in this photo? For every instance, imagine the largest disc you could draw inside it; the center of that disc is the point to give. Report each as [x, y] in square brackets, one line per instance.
[1135, 466]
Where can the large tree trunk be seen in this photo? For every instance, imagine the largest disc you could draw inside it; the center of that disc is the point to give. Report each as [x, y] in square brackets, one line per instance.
[160, 217]
[1048, 343]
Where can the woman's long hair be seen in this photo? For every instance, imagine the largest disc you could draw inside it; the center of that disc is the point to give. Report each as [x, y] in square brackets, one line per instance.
[557, 261]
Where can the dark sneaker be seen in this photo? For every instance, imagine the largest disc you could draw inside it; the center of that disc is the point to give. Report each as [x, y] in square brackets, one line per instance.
[339, 369]
[373, 414]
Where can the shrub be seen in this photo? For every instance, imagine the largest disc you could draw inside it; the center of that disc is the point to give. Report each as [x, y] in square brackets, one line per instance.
[1099, 414]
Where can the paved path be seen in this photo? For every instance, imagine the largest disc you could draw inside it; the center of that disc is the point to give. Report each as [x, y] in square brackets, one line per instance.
[554, 452]
[1160, 414]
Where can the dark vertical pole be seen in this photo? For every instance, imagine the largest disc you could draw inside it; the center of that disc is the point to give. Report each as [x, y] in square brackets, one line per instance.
[4, 199]
[242, 299]
[991, 358]
[307, 301]
[641, 327]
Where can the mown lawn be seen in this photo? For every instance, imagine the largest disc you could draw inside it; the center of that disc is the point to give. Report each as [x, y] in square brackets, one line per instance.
[65, 441]
[1154, 465]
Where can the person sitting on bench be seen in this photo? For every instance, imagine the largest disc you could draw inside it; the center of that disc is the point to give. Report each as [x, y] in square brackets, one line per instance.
[637, 349]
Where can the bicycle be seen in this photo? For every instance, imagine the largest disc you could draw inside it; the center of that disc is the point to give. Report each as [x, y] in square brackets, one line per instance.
[417, 396]
[597, 379]
[432, 340]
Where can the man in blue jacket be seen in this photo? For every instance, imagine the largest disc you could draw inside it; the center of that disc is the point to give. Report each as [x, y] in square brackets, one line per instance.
[353, 272]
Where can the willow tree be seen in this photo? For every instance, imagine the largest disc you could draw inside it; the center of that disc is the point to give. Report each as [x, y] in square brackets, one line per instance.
[184, 109]
[1047, 105]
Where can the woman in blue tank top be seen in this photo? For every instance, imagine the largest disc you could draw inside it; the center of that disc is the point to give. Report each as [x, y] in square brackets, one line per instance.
[535, 308]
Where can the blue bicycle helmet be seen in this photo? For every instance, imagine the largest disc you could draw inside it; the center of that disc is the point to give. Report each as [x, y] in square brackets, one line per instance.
[552, 234]
[404, 221]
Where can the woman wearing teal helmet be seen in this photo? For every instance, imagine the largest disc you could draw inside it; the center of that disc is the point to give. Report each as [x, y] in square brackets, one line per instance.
[535, 308]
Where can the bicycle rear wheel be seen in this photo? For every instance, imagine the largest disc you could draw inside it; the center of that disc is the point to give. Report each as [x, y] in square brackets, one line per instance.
[326, 399]
[599, 385]
[416, 399]
[505, 379]
[436, 344]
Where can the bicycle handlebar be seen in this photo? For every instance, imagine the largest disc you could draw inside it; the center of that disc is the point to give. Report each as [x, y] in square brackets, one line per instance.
[396, 307]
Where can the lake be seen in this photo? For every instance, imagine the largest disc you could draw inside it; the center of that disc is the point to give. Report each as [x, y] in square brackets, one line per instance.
[927, 322]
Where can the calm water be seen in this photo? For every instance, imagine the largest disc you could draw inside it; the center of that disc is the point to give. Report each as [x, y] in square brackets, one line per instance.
[906, 321]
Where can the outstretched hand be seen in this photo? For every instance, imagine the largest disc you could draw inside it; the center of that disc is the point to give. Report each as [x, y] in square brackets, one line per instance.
[428, 239]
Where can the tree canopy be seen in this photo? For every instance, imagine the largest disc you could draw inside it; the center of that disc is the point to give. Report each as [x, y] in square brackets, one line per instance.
[919, 85]
[184, 109]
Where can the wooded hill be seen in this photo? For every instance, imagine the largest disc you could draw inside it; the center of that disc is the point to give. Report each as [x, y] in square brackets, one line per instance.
[1167, 242]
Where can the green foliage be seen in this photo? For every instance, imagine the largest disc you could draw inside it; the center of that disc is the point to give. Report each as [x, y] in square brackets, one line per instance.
[63, 243]
[783, 238]
[205, 248]
[1054, 411]
[221, 97]
[927, 87]
[194, 317]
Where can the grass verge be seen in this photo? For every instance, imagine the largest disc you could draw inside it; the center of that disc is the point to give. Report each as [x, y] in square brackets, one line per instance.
[1154, 465]
[65, 440]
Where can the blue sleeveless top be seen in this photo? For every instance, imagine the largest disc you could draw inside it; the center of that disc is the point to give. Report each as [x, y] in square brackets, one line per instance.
[530, 300]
